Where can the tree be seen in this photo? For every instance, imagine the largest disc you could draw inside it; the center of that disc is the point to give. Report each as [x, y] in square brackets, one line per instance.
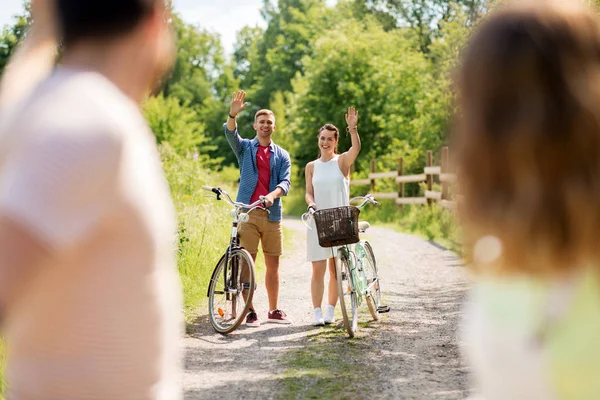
[246, 56]
[424, 18]
[202, 81]
[12, 34]
[361, 65]
[199, 62]
[269, 62]
[177, 125]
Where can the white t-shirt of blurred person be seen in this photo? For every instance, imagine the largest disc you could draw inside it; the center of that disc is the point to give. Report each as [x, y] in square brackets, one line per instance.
[79, 169]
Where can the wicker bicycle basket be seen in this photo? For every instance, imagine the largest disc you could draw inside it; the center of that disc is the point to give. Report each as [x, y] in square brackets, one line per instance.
[337, 226]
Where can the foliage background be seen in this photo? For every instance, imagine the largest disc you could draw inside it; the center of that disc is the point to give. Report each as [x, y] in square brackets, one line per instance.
[391, 59]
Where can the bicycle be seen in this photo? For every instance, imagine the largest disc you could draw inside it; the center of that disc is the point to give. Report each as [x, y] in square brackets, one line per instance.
[356, 267]
[231, 285]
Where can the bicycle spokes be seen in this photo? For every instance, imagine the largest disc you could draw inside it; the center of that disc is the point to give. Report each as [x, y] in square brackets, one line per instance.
[373, 290]
[229, 293]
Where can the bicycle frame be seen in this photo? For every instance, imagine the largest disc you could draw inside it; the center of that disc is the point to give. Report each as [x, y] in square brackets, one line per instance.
[355, 279]
[358, 278]
[239, 216]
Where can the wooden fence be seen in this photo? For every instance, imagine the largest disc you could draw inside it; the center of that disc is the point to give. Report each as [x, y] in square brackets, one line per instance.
[430, 172]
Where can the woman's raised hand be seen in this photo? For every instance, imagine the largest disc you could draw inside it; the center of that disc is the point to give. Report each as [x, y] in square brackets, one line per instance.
[352, 117]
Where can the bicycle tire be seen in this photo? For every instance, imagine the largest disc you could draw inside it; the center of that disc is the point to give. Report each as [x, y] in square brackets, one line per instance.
[346, 293]
[228, 308]
[370, 269]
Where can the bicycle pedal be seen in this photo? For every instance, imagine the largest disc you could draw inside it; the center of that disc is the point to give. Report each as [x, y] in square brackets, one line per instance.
[383, 309]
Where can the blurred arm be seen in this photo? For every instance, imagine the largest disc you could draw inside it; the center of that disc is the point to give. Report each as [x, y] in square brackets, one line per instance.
[34, 58]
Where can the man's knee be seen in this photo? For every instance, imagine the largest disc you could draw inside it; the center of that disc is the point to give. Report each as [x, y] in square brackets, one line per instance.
[271, 261]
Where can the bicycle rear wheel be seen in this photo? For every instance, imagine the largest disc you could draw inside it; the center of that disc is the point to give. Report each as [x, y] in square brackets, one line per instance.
[346, 292]
[230, 291]
[374, 290]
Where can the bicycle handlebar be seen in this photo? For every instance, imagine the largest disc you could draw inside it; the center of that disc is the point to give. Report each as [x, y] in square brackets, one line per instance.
[238, 205]
[366, 199]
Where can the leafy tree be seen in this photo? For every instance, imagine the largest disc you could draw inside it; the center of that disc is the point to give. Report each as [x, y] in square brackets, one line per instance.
[202, 81]
[268, 63]
[246, 56]
[177, 125]
[199, 62]
[436, 108]
[425, 17]
[12, 34]
[361, 65]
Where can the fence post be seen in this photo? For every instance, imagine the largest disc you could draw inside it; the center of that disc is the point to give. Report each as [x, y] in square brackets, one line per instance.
[445, 160]
[400, 184]
[429, 180]
[373, 166]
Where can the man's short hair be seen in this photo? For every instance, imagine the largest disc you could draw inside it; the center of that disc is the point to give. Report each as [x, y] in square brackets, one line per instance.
[264, 111]
[100, 19]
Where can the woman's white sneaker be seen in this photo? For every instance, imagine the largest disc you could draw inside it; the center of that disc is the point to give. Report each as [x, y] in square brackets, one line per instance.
[318, 321]
[329, 318]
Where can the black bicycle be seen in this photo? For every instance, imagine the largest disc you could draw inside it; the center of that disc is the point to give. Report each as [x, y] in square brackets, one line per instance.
[232, 285]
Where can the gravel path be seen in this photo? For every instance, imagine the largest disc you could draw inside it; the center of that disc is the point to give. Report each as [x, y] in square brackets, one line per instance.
[411, 353]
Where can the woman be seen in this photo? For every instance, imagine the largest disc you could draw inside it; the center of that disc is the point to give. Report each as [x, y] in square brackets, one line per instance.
[327, 186]
[529, 169]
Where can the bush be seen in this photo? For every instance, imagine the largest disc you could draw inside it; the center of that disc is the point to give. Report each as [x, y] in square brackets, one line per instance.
[434, 223]
[180, 127]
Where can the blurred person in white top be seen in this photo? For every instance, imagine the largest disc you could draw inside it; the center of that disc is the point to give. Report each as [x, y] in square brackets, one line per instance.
[90, 298]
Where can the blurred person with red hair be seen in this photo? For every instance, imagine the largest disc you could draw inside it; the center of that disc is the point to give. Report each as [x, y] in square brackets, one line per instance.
[528, 162]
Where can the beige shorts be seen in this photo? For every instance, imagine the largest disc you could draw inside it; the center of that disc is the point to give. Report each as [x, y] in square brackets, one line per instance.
[260, 229]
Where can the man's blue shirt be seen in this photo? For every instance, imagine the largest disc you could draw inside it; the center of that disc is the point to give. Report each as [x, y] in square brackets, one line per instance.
[281, 166]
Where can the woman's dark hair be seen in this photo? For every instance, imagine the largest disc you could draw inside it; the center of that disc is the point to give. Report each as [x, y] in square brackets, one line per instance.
[100, 19]
[528, 137]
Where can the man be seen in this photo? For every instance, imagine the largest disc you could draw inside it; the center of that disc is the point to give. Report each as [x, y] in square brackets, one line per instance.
[90, 298]
[265, 170]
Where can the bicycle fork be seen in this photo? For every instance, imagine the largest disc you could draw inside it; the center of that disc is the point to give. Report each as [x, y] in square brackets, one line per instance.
[357, 276]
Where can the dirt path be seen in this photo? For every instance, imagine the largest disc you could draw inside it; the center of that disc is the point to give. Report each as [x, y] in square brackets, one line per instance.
[411, 353]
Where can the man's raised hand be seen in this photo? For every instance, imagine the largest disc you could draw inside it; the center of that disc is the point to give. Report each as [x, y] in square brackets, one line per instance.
[237, 103]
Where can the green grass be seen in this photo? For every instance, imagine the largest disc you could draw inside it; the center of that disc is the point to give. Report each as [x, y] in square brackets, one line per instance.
[330, 366]
[204, 224]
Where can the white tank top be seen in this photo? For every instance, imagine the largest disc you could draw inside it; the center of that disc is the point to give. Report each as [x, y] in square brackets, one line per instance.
[331, 187]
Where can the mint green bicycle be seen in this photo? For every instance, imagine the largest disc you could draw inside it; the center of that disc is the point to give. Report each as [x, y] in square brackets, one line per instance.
[355, 264]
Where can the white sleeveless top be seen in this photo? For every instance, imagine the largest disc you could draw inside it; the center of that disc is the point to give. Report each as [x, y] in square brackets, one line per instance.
[331, 189]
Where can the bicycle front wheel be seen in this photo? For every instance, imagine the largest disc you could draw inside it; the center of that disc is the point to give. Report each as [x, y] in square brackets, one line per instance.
[346, 292]
[373, 288]
[230, 291]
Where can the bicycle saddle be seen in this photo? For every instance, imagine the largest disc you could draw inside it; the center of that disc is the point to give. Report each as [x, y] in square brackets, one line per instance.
[363, 226]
